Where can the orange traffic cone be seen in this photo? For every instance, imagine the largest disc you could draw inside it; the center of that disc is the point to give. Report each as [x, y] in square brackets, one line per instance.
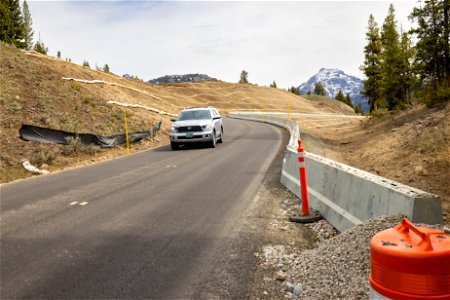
[306, 216]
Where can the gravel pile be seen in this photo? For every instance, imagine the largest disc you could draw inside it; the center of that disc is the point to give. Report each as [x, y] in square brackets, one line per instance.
[338, 268]
[323, 229]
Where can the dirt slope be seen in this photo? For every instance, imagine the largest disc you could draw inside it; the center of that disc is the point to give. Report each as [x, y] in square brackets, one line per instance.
[33, 91]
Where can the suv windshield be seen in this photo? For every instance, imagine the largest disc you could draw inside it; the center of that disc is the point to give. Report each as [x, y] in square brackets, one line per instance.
[194, 115]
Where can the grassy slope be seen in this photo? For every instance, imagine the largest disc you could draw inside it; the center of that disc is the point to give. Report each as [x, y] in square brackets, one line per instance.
[415, 151]
[33, 92]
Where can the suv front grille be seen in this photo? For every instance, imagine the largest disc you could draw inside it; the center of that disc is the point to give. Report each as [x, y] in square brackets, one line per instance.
[188, 138]
[189, 129]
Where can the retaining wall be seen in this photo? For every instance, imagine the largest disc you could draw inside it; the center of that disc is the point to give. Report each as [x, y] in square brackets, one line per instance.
[346, 196]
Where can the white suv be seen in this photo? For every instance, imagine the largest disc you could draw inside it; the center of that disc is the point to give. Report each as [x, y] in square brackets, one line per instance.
[199, 124]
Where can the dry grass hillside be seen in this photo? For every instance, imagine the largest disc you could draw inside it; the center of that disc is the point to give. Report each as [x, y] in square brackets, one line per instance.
[34, 92]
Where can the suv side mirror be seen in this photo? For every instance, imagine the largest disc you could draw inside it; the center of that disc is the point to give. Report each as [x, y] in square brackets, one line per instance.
[173, 119]
[217, 118]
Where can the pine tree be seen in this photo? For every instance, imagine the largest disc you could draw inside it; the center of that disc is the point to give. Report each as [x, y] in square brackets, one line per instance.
[27, 26]
[11, 23]
[432, 58]
[348, 100]
[392, 62]
[358, 108]
[372, 68]
[244, 77]
[4, 22]
[106, 68]
[58, 54]
[294, 90]
[319, 89]
[40, 47]
[86, 64]
[340, 96]
[273, 84]
[408, 79]
[345, 99]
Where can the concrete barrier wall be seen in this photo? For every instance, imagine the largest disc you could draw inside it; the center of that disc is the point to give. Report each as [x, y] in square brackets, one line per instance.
[346, 196]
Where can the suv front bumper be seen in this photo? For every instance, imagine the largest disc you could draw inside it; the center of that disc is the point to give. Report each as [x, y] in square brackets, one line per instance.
[191, 137]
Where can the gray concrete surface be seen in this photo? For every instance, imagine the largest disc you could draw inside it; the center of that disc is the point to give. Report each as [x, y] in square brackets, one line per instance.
[153, 225]
[347, 196]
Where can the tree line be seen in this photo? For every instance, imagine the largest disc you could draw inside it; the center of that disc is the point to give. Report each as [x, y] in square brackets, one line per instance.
[400, 73]
[16, 28]
[318, 90]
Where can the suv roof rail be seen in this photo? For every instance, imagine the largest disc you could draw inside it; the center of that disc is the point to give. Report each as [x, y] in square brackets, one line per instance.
[192, 107]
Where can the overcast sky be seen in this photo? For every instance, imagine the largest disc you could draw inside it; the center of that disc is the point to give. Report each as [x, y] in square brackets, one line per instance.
[283, 41]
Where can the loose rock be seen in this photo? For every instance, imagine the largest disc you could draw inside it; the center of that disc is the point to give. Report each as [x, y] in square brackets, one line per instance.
[281, 276]
[338, 268]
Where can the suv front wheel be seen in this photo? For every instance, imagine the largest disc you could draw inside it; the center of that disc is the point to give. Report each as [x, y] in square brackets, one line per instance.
[213, 142]
[221, 136]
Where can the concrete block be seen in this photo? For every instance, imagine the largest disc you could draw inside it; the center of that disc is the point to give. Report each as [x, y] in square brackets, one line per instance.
[347, 196]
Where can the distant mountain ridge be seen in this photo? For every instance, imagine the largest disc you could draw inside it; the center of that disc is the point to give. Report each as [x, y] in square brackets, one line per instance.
[180, 78]
[334, 80]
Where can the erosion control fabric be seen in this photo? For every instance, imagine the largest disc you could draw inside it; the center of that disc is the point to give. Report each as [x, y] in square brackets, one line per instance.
[45, 135]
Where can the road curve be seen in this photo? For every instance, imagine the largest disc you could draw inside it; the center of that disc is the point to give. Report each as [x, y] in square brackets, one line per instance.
[144, 226]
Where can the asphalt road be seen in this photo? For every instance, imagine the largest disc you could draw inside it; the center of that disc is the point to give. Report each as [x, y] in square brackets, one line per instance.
[150, 225]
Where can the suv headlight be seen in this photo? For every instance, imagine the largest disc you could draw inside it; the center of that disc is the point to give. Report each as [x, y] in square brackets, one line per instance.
[206, 127]
[173, 129]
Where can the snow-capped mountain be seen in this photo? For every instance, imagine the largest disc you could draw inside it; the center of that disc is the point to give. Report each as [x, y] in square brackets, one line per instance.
[334, 80]
[180, 78]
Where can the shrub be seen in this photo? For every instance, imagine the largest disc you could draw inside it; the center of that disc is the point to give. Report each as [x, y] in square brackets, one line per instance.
[43, 156]
[76, 86]
[14, 107]
[75, 147]
[40, 48]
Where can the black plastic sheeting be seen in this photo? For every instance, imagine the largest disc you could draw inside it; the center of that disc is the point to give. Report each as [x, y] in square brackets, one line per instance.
[51, 136]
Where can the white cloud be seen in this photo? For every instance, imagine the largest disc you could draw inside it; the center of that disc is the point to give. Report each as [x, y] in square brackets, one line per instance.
[283, 41]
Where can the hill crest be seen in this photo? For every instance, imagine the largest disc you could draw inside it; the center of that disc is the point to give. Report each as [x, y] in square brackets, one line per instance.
[180, 78]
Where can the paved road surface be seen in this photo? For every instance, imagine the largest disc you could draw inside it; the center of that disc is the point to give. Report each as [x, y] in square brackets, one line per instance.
[146, 226]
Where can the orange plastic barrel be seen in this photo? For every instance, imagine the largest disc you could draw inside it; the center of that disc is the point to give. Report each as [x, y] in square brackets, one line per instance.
[409, 262]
